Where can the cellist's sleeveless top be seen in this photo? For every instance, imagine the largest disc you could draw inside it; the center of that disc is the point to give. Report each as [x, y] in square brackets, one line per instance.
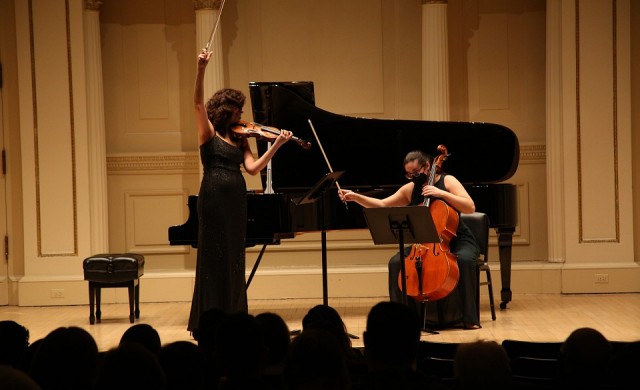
[463, 234]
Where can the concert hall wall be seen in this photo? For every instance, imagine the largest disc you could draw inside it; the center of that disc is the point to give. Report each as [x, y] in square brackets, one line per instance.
[101, 146]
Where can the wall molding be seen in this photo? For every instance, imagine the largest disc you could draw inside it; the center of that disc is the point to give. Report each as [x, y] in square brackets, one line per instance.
[189, 162]
[128, 164]
[533, 153]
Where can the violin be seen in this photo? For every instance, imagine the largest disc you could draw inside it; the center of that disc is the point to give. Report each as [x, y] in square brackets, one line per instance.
[261, 132]
[431, 269]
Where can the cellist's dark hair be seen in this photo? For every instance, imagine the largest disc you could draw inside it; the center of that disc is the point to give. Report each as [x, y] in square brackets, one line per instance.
[220, 108]
[418, 155]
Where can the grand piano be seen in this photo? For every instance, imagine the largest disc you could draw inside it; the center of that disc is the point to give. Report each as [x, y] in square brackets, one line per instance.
[370, 153]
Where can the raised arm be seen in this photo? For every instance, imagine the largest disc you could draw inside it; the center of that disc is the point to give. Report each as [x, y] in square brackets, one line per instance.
[205, 128]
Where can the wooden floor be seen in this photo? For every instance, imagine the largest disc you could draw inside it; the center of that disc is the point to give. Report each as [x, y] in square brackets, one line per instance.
[535, 317]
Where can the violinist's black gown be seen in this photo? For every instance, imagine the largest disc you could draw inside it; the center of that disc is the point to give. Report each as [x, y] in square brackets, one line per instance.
[222, 216]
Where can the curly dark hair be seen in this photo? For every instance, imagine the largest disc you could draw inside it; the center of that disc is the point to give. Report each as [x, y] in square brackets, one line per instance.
[220, 108]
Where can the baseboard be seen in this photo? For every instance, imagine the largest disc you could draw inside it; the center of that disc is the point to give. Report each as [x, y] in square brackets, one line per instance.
[342, 282]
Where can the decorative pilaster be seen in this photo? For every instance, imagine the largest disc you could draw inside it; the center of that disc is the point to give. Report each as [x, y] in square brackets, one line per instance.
[98, 201]
[93, 5]
[206, 16]
[554, 134]
[435, 61]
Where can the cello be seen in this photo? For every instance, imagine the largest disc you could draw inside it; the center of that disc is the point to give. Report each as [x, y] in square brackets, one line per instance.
[431, 269]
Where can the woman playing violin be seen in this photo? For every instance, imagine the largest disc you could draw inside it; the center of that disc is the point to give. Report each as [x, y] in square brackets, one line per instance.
[460, 305]
[222, 201]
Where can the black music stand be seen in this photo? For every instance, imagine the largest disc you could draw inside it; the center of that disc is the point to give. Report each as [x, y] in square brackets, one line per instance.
[402, 225]
[315, 194]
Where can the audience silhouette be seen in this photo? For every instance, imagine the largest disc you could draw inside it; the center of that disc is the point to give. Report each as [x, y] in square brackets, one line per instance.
[130, 366]
[14, 379]
[391, 341]
[184, 366]
[316, 361]
[584, 361]
[67, 359]
[327, 318]
[143, 334]
[14, 341]
[276, 340]
[481, 365]
[241, 351]
[206, 337]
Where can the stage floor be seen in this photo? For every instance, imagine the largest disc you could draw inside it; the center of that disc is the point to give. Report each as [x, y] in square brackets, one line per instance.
[535, 317]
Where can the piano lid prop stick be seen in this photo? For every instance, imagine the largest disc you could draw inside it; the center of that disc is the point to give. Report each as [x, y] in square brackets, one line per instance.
[215, 27]
[325, 158]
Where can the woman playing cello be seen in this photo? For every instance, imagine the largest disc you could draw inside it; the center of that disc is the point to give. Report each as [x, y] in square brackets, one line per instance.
[461, 304]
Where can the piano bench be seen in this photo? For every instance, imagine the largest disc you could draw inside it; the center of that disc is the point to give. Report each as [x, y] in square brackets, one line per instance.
[109, 270]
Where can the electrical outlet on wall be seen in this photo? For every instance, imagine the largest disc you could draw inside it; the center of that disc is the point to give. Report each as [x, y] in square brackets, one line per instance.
[601, 278]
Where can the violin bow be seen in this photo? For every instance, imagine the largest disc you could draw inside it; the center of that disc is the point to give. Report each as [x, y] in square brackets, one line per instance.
[325, 158]
[215, 27]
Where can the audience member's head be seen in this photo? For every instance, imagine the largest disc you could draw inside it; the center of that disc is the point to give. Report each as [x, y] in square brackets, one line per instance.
[481, 365]
[130, 366]
[14, 379]
[240, 347]
[584, 358]
[392, 336]
[276, 338]
[183, 363]
[143, 334]
[14, 340]
[327, 318]
[316, 361]
[67, 358]
[27, 357]
[208, 328]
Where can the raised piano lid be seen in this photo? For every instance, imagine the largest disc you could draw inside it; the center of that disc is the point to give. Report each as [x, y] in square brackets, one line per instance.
[371, 150]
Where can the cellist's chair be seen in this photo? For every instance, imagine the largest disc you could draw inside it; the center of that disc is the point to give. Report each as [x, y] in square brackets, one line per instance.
[478, 223]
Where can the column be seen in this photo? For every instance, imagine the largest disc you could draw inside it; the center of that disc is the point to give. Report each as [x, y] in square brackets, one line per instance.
[206, 15]
[435, 62]
[96, 143]
[554, 134]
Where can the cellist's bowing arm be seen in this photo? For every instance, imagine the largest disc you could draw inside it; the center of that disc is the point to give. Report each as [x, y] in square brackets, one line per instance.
[455, 195]
[402, 197]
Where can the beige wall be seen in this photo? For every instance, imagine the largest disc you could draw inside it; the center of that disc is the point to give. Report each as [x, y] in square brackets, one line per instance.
[635, 120]
[365, 59]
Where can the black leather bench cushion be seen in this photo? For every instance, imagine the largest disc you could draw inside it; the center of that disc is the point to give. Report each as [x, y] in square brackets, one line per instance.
[113, 268]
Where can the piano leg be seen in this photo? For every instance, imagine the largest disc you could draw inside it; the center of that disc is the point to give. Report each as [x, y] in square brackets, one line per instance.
[325, 294]
[505, 238]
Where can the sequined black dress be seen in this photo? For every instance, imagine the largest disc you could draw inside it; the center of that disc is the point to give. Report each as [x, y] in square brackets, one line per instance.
[222, 216]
